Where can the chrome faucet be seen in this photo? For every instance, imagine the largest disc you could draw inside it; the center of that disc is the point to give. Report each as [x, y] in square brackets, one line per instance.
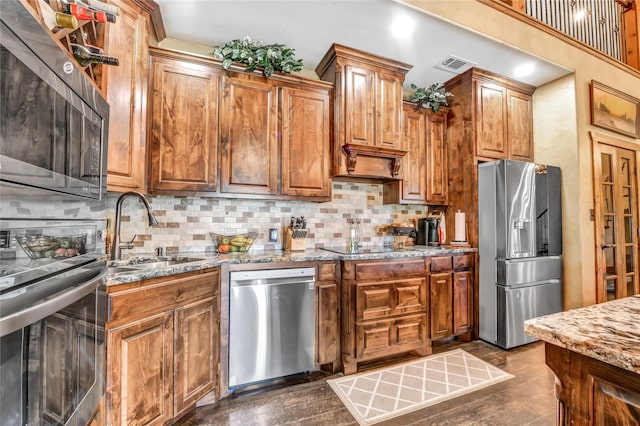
[117, 246]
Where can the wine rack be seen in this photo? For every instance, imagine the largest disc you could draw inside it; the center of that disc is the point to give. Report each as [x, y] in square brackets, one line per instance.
[88, 33]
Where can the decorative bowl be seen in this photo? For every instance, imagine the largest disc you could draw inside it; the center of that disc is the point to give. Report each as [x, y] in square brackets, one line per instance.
[237, 243]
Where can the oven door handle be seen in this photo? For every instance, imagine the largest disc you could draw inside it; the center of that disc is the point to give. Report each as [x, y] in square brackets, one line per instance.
[49, 297]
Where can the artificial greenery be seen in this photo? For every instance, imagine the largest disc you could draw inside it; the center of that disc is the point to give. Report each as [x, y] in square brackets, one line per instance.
[432, 96]
[257, 55]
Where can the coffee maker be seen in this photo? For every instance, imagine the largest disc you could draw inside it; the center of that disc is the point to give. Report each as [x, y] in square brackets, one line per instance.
[428, 234]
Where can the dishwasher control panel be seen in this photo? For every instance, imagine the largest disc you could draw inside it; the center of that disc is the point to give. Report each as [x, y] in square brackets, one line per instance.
[267, 274]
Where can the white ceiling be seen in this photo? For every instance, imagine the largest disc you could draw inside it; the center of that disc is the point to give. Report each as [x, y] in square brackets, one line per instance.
[311, 26]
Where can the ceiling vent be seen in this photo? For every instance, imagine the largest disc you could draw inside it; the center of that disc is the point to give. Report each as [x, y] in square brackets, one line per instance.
[455, 64]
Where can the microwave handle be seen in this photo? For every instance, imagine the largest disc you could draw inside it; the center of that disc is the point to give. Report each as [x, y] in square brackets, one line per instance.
[48, 305]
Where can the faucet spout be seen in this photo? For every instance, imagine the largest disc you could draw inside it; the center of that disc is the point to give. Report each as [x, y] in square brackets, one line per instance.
[116, 245]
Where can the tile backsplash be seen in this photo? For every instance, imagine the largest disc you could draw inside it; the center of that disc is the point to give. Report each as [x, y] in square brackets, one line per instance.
[185, 222]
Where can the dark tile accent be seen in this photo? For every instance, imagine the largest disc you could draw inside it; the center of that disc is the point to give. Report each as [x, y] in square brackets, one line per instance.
[199, 237]
[192, 219]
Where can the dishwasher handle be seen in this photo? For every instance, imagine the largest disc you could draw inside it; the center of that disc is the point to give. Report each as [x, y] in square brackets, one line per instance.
[272, 282]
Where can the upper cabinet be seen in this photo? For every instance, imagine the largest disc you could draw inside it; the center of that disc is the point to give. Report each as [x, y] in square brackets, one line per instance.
[236, 134]
[501, 113]
[424, 168]
[368, 131]
[249, 146]
[125, 88]
[183, 136]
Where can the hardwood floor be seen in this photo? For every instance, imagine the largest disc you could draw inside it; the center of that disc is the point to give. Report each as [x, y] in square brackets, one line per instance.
[526, 399]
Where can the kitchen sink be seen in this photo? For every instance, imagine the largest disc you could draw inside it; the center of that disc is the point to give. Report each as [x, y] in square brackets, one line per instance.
[120, 269]
[160, 264]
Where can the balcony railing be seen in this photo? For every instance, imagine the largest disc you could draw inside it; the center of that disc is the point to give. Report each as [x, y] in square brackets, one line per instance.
[610, 27]
[596, 23]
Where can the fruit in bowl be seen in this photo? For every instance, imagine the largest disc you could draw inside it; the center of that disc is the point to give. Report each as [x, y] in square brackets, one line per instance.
[47, 247]
[238, 243]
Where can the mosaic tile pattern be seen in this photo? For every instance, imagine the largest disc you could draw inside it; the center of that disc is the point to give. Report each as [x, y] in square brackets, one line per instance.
[187, 221]
[383, 394]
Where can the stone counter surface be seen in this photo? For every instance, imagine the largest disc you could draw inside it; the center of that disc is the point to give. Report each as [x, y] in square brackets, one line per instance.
[210, 260]
[609, 332]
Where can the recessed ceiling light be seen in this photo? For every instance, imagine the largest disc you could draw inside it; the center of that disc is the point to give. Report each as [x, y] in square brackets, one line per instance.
[402, 26]
[524, 69]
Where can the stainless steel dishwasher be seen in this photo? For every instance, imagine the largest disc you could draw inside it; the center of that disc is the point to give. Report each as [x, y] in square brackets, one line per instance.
[271, 324]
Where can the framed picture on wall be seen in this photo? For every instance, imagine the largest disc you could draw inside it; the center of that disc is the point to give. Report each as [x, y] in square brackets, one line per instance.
[614, 110]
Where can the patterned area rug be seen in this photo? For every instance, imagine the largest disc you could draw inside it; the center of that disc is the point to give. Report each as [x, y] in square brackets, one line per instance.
[379, 395]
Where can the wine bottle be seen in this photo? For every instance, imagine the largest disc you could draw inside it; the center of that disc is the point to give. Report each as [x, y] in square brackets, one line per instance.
[82, 13]
[56, 21]
[103, 7]
[111, 17]
[85, 57]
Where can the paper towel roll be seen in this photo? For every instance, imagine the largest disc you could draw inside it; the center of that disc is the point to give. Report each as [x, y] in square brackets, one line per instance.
[460, 227]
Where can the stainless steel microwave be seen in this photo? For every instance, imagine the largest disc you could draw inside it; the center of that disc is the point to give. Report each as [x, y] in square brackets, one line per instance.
[53, 121]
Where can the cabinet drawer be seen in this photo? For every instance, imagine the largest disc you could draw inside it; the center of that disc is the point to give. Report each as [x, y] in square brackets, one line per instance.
[388, 337]
[386, 299]
[441, 264]
[388, 268]
[327, 272]
[463, 261]
[142, 302]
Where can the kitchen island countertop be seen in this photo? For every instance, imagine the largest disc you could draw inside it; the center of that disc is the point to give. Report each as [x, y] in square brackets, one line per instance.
[609, 332]
[210, 260]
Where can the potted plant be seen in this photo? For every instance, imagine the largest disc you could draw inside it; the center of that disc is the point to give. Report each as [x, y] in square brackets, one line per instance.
[257, 55]
[432, 96]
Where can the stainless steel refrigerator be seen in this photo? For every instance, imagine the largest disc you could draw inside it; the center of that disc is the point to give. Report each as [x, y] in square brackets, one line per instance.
[520, 248]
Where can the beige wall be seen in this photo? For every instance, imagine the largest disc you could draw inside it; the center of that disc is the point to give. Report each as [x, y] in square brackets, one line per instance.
[561, 133]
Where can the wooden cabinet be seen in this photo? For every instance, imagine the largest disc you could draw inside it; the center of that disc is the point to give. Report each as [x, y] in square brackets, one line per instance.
[490, 118]
[424, 167]
[125, 88]
[368, 131]
[451, 295]
[235, 133]
[384, 310]
[249, 146]
[163, 355]
[184, 124]
[327, 313]
[305, 131]
[591, 392]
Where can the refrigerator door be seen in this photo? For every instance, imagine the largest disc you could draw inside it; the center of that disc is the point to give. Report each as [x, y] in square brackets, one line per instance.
[516, 209]
[516, 305]
[548, 211]
[528, 271]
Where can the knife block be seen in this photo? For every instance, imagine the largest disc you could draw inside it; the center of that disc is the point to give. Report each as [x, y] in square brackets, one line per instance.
[293, 244]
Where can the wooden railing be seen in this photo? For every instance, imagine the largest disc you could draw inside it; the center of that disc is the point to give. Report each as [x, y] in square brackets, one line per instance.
[609, 26]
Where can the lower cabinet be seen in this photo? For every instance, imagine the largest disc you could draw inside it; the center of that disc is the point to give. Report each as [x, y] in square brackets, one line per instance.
[384, 310]
[162, 347]
[451, 295]
[327, 312]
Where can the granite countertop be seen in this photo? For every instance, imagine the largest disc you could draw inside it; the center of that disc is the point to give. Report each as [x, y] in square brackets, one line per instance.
[609, 332]
[202, 260]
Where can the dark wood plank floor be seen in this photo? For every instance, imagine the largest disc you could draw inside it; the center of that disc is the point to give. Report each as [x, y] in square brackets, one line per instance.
[526, 399]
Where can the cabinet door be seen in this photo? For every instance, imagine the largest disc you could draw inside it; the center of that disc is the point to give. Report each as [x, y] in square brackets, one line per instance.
[387, 337]
[140, 372]
[359, 105]
[519, 126]
[328, 334]
[126, 92]
[491, 116]
[388, 108]
[441, 303]
[305, 143]
[196, 354]
[414, 183]
[437, 176]
[249, 151]
[184, 130]
[462, 302]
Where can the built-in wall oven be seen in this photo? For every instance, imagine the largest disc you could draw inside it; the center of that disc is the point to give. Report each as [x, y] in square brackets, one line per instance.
[53, 134]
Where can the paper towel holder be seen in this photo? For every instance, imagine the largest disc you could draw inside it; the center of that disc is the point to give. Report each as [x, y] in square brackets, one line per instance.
[460, 222]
